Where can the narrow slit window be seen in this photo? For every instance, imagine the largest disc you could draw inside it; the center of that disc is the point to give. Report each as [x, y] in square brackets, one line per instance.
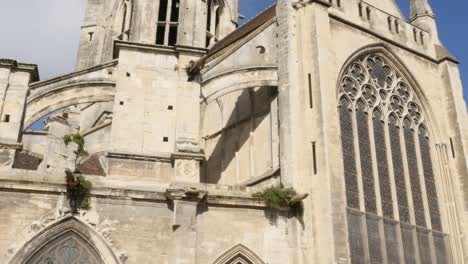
[6, 118]
[368, 11]
[314, 157]
[311, 98]
[452, 148]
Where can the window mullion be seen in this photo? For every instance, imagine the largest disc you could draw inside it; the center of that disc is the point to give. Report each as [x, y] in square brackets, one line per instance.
[391, 173]
[376, 116]
[378, 198]
[357, 152]
[409, 197]
[409, 194]
[168, 20]
[422, 179]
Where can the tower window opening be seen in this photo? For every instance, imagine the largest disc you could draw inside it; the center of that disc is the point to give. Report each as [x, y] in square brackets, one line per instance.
[415, 35]
[168, 22]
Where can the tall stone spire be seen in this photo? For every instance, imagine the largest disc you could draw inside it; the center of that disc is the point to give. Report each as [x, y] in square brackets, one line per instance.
[420, 8]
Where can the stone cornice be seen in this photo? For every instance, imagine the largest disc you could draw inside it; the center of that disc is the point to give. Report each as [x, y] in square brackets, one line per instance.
[5, 145]
[186, 194]
[118, 45]
[14, 65]
[122, 190]
[302, 3]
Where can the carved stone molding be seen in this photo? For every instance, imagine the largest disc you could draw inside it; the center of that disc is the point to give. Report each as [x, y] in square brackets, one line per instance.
[186, 144]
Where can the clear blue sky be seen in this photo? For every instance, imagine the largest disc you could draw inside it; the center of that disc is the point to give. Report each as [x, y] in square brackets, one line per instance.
[450, 15]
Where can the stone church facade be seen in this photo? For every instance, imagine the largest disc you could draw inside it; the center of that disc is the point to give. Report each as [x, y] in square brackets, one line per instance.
[185, 115]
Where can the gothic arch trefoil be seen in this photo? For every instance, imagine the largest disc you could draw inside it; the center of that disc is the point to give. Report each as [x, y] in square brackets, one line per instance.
[388, 172]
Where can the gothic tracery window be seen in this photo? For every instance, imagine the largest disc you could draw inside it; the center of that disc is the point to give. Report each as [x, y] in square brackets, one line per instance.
[387, 167]
[69, 248]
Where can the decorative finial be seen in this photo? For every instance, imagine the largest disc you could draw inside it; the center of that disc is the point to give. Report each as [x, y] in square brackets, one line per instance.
[420, 8]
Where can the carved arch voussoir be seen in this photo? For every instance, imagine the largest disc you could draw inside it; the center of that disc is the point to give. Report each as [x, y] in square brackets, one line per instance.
[239, 254]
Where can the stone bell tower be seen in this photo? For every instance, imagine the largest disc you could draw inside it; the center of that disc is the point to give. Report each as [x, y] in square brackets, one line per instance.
[194, 23]
[155, 123]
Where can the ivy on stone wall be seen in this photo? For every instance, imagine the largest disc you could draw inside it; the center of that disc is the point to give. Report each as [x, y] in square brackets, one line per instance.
[78, 187]
[78, 190]
[278, 198]
[79, 140]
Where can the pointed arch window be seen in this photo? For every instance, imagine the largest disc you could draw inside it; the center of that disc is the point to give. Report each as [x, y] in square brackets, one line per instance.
[69, 248]
[168, 22]
[127, 15]
[215, 9]
[390, 183]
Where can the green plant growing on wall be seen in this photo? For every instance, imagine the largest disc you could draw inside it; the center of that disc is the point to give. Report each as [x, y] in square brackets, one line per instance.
[78, 187]
[79, 140]
[79, 190]
[278, 198]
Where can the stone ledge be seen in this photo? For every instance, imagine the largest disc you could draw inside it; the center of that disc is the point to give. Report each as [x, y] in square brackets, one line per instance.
[13, 64]
[220, 196]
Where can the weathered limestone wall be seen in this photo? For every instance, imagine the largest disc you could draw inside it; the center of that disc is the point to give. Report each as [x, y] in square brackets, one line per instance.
[145, 90]
[14, 83]
[139, 224]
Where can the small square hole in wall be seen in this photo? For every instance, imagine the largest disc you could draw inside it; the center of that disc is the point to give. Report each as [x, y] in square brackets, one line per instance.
[6, 118]
[48, 166]
[170, 107]
[128, 74]
[165, 139]
[121, 103]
